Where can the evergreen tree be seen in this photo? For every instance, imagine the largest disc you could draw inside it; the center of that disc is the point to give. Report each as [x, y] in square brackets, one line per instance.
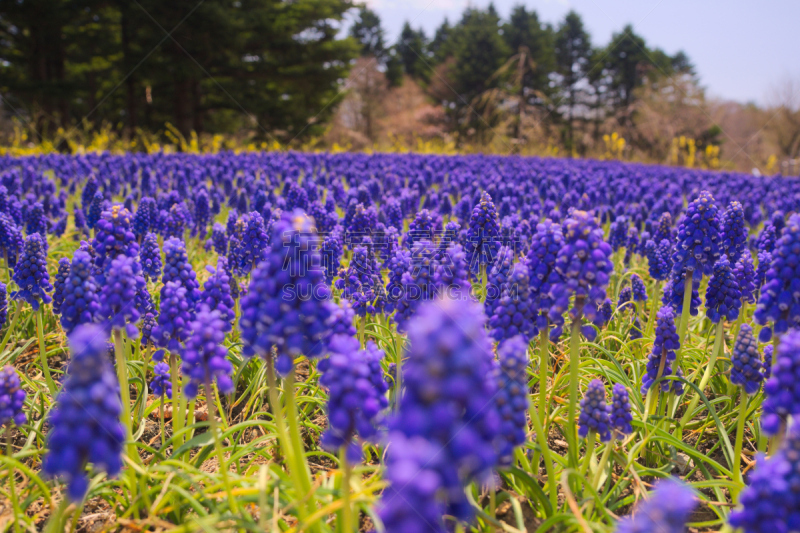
[412, 50]
[368, 32]
[573, 52]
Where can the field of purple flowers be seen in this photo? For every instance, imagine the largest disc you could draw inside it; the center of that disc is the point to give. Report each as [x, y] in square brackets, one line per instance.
[401, 343]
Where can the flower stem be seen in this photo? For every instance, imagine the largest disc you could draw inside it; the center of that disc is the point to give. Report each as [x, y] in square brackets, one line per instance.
[651, 320]
[712, 361]
[11, 327]
[51, 385]
[125, 392]
[737, 450]
[161, 419]
[541, 439]
[398, 383]
[602, 465]
[347, 513]
[574, 376]
[177, 417]
[223, 468]
[685, 313]
[11, 488]
[283, 438]
[587, 458]
[544, 363]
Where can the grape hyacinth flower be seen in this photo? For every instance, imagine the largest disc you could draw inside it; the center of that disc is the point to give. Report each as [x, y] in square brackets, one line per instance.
[161, 385]
[698, 246]
[512, 311]
[746, 361]
[674, 293]
[451, 274]
[397, 265]
[114, 236]
[764, 264]
[666, 511]
[498, 278]
[448, 361]
[216, 293]
[664, 228]
[415, 499]
[483, 237]
[81, 301]
[745, 276]
[30, 274]
[3, 304]
[284, 306]
[767, 365]
[58, 284]
[594, 415]
[620, 416]
[11, 242]
[659, 261]
[123, 280]
[782, 389]
[12, 398]
[420, 229]
[219, 239]
[733, 232]
[36, 221]
[638, 290]
[584, 267]
[779, 303]
[512, 396]
[618, 235]
[173, 320]
[605, 310]
[254, 242]
[766, 239]
[331, 253]
[150, 257]
[356, 395]
[342, 319]
[360, 282]
[418, 283]
[722, 295]
[85, 422]
[541, 261]
[659, 362]
[144, 218]
[204, 357]
[770, 502]
[178, 268]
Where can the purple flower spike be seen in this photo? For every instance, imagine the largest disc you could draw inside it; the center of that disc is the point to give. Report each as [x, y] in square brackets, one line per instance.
[782, 389]
[12, 398]
[723, 298]
[779, 303]
[699, 240]
[663, 352]
[85, 422]
[161, 384]
[584, 267]
[594, 412]
[285, 302]
[356, 395]
[30, 274]
[666, 511]
[621, 416]
[746, 361]
[204, 357]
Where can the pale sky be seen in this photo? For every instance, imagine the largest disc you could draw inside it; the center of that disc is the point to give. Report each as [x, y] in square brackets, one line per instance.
[740, 48]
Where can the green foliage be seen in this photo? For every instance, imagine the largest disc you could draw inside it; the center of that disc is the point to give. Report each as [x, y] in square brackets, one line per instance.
[146, 63]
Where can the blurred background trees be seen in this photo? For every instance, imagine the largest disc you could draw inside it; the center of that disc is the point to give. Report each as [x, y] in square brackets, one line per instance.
[318, 72]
